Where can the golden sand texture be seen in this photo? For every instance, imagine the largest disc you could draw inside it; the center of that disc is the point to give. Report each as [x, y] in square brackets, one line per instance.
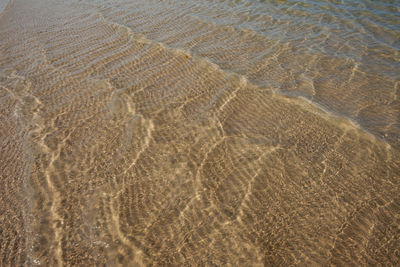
[154, 133]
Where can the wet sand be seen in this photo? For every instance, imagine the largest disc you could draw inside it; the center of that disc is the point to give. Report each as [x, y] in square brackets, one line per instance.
[198, 133]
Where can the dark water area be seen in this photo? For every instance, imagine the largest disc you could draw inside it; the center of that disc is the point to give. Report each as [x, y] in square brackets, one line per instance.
[199, 133]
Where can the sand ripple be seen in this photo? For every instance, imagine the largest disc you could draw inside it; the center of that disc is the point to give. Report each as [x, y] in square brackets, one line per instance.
[191, 133]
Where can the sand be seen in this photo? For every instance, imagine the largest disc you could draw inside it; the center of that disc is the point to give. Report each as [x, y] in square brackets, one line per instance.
[198, 133]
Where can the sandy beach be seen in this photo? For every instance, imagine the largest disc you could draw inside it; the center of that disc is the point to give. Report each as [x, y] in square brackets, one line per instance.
[199, 133]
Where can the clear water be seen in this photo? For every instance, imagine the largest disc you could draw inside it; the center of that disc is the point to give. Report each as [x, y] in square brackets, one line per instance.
[199, 133]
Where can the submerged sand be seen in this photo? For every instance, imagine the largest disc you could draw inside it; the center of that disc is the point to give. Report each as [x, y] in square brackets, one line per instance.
[169, 133]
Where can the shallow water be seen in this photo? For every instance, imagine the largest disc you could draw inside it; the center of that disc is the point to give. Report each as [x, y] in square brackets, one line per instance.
[192, 133]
